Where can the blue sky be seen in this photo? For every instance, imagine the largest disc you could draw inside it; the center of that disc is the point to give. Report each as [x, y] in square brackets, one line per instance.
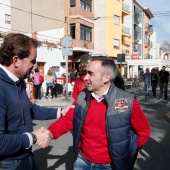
[161, 21]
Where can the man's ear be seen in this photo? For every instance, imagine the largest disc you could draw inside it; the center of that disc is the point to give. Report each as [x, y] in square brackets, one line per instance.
[15, 61]
[106, 78]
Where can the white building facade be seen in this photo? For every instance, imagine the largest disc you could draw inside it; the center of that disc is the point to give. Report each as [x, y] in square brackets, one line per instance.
[154, 51]
[5, 18]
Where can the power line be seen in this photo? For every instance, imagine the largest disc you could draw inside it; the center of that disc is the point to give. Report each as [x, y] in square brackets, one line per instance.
[32, 13]
[55, 39]
[39, 16]
[156, 14]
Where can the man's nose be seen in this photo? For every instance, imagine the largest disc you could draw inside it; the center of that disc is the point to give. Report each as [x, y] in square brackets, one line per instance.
[86, 77]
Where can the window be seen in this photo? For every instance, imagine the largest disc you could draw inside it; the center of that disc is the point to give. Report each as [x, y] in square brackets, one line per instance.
[116, 43]
[72, 3]
[7, 19]
[73, 31]
[139, 50]
[86, 4]
[85, 33]
[116, 20]
[137, 33]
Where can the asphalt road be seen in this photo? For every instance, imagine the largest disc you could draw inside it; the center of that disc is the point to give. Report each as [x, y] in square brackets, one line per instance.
[155, 155]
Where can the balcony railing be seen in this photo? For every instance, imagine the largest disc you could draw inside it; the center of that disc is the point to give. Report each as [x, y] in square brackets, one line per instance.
[149, 28]
[146, 41]
[126, 7]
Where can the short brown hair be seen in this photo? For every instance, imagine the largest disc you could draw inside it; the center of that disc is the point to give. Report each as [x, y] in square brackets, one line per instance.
[16, 44]
[82, 68]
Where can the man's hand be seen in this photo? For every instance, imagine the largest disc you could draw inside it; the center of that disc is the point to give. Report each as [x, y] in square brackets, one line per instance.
[43, 137]
[64, 111]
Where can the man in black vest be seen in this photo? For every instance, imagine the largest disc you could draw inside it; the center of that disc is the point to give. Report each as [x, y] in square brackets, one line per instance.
[163, 82]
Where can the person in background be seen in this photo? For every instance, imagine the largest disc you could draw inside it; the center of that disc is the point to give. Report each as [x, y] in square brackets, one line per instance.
[18, 55]
[163, 82]
[141, 78]
[30, 76]
[73, 75]
[37, 84]
[146, 82]
[108, 123]
[63, 75]
[80, 84]
[49, 77]
[119, 82]
[154, 82]
[54, 73]
[55, 89]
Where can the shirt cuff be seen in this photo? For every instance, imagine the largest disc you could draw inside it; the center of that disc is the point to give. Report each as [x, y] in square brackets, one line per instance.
[30, 139]
[59, 112]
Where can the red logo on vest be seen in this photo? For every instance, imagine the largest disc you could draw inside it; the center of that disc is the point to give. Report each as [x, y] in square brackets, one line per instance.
[121, 104]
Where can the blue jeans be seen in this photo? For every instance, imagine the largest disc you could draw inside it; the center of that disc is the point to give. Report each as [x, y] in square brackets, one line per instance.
[163, 88]
[82, 164]
[146, 88]
[154, 85]
[28, 163]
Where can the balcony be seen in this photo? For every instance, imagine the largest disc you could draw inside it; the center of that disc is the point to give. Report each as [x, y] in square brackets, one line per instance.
[77, 11]
[148, 29]
[125, 9]
[148, 43]
[83, 45]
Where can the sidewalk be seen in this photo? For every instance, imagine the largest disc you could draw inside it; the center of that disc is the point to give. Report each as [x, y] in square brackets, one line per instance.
[55, 102]
[62, 102]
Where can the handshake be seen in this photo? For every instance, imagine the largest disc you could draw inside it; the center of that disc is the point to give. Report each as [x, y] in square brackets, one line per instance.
[43, 137]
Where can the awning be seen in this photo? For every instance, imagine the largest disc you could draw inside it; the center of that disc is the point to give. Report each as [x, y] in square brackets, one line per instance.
[82, 58]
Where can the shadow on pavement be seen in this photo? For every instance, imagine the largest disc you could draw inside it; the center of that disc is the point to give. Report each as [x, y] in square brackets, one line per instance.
[43, 156]
[153, 156]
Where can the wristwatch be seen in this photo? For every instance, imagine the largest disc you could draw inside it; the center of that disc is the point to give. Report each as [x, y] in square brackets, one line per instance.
[34, 137]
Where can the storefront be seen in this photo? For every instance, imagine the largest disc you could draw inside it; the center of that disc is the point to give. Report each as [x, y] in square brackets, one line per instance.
[134, 67]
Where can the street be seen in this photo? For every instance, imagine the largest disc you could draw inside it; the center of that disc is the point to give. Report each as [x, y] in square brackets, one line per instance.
[154, 155]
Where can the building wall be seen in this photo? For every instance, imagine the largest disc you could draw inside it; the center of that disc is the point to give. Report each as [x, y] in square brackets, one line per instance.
[48, 56]
[4, 26]
[147, 41]
[46, 15]
[140, 42]
[153, 51]
[128, 23]
[113, 7]
[100, 27]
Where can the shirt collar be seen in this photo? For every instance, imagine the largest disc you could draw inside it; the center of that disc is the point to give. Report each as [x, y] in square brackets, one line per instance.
[12, 76]
[100, 98]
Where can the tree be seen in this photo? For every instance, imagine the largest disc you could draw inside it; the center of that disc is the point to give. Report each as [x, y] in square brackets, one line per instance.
[165, 47]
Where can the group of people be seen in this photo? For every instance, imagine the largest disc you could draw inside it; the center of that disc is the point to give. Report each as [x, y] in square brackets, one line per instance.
[154, 79]
[52, 87]
[109, 126]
